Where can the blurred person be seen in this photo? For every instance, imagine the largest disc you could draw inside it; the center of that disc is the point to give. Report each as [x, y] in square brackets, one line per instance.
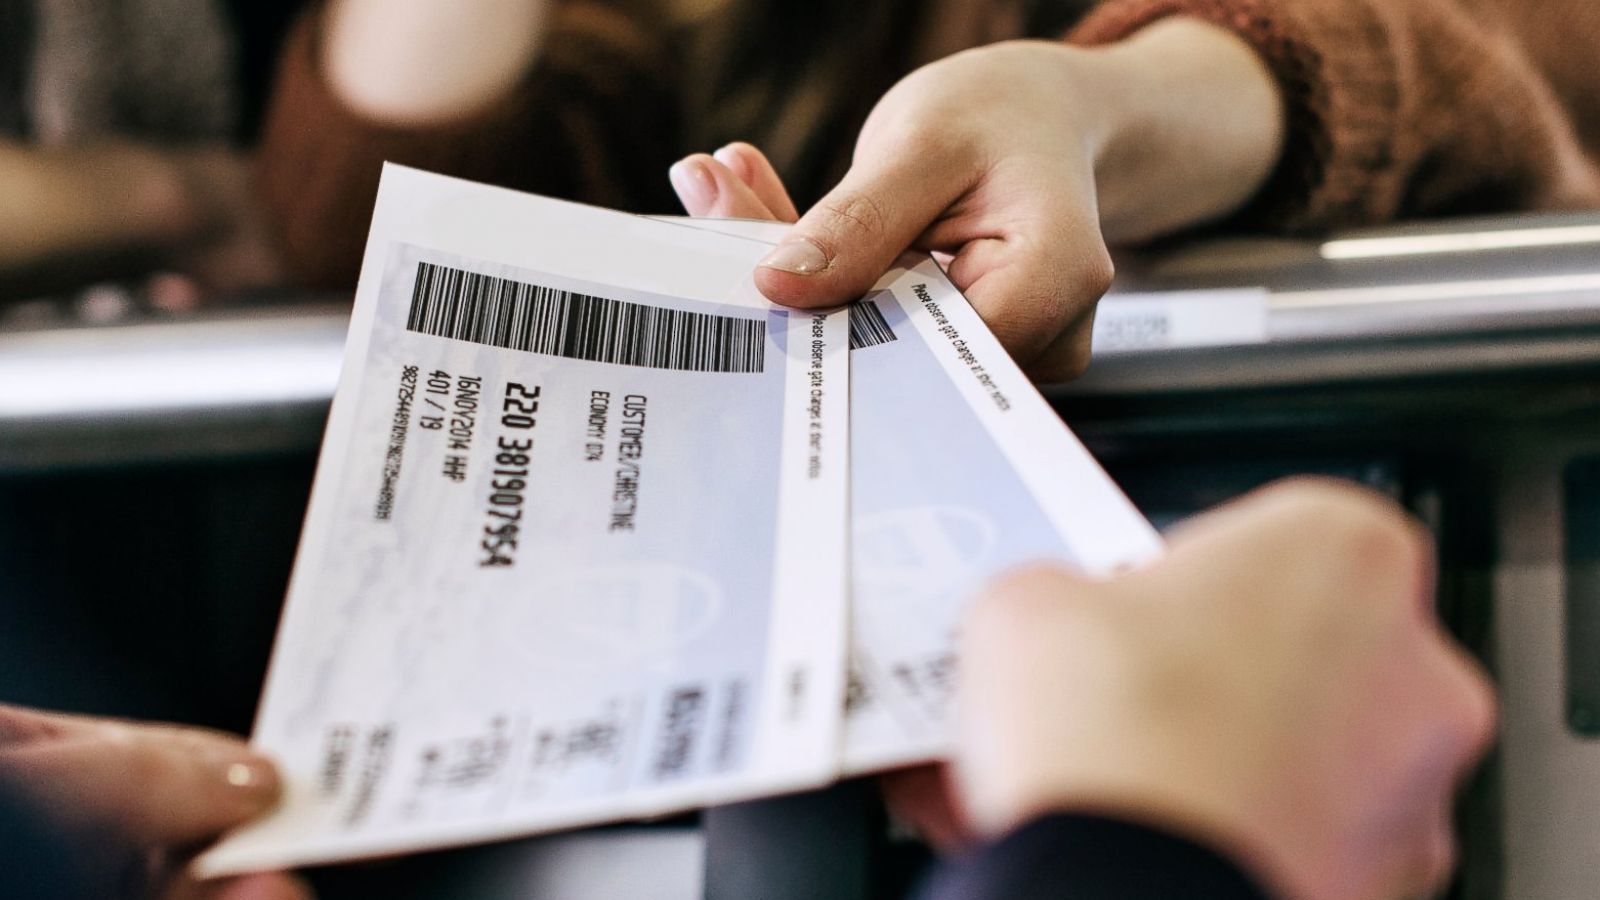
[108, 809]
[1272, 710]
[1019, 160]
[120, 130]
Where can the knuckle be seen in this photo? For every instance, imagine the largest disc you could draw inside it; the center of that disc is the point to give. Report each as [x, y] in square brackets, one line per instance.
[1383, 538]
[1350, 520]
[1348, 536]
[20, 726]
[854, 216]
[1303, 497]
[1032, 325]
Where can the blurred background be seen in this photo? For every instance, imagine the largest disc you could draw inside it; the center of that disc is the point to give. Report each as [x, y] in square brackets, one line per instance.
[164, 377]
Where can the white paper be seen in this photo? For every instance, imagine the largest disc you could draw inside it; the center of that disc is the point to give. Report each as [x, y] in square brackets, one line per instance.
[1173, 320]
[662, 627]
[960, 470]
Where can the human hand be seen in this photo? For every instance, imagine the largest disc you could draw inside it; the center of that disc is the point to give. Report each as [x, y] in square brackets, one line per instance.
[118, 208]
[132, 801]
[736, 182]
[987, 156]
[228, 249]
[1009, 159]
[429, 61]
[1277, 686]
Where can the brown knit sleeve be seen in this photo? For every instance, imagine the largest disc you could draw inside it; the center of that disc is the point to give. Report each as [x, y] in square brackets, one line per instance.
[594, 120]
[1395, 108]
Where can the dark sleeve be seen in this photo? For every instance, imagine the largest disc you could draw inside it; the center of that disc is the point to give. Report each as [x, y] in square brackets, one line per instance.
[1074, 857]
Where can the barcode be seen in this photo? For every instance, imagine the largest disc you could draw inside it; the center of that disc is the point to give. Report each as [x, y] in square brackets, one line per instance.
[500, 312]
[868, 327]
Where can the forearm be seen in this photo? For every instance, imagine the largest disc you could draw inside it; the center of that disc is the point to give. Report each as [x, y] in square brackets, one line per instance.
[427, 62]
[112, 197]
[1193, 126]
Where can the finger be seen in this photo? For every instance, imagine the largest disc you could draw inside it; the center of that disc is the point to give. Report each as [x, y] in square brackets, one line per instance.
[842, 245]
[1329, 531]
[1069, 355]
[1019, 616]
[171, 292]
[924, 799]
[1037, 292]
[752, 167]
[20, 725]
[1282, 511]
[143, 784]
[708, 189]
[1034, 264]
[262, 886]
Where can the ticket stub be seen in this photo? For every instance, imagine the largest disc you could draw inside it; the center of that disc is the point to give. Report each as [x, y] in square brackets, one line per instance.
[960, 470]
[576, 547]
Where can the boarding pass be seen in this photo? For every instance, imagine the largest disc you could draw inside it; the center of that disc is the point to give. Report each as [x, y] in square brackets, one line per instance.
[576, 547]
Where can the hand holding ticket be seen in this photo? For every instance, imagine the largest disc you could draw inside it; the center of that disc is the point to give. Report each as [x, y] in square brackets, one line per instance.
[959, 472]
[575, 551]
[577, 546]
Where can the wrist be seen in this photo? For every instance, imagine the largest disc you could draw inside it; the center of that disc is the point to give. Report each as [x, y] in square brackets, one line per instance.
[1194, 127]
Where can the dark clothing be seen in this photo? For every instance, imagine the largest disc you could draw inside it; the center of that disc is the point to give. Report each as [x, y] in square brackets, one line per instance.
[1073, 857]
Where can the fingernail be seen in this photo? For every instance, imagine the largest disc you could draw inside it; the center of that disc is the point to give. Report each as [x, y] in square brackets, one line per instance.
[799, 256]
[726, 156]
[252, 774]
[697, 190]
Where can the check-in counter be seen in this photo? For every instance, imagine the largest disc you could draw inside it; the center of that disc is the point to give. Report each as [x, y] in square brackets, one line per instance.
[153, 473]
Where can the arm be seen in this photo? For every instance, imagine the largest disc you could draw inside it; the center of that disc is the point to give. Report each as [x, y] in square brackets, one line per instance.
[1019, 159]
[75, 202]
[1404, 108]
[573, 100]
[1193, 126]
[117, 209]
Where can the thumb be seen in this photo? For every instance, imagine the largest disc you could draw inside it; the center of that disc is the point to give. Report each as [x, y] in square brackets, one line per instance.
[148, 785]
[839, 248]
